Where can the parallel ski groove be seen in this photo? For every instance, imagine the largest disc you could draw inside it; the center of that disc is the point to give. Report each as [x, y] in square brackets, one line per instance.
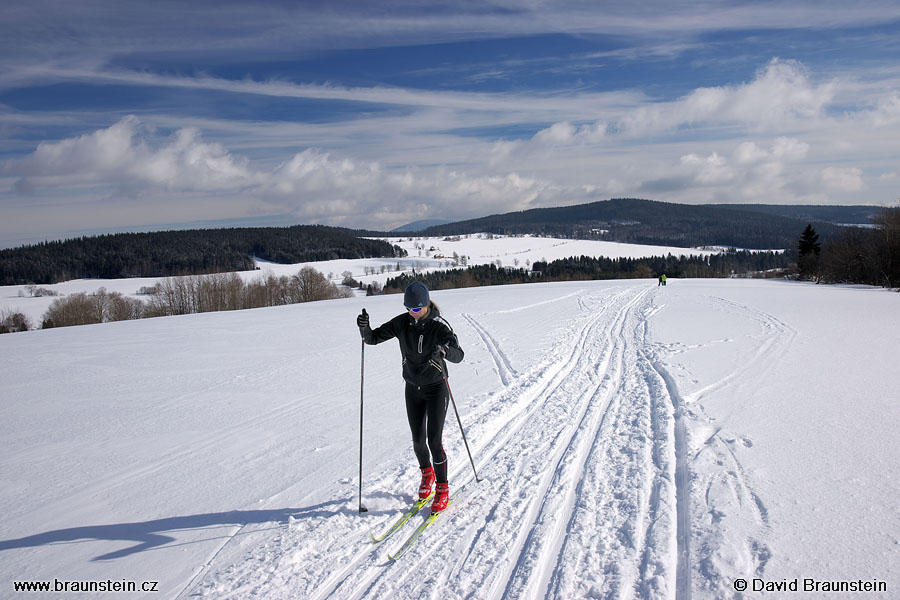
[632, 531]
[682, 485]
[538, 557]
[505, 370]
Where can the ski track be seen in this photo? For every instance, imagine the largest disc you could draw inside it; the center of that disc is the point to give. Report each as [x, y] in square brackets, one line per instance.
[775, 335]
[682, 476]
[586, 490]
[504, 367]
[722, 521]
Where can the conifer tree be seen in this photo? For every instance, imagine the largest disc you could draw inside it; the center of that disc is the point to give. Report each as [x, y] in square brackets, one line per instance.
[809, 250]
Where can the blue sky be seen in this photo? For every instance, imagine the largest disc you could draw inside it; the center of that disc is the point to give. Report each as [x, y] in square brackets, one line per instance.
[137, 116]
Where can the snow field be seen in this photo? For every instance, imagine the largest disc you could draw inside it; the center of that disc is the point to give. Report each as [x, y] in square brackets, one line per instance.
[635, 442]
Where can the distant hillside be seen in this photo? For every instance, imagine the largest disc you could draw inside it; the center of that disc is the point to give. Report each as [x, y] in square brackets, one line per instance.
[192, 252]
[838, 215]
[420, 225]
[648, 222]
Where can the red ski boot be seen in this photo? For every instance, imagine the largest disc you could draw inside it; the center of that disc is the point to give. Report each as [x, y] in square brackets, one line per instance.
[427, 482]
[441, 497]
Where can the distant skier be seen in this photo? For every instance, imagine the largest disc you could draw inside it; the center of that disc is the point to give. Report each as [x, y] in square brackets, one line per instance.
[426, 339]
[662, 280]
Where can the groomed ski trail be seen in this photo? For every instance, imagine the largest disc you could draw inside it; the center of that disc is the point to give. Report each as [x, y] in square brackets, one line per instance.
[581, 497]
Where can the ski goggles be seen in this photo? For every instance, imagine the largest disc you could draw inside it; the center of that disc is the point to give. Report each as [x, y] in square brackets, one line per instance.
[415, 309]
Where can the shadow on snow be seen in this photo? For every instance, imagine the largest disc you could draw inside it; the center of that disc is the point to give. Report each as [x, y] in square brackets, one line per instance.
[149, 535]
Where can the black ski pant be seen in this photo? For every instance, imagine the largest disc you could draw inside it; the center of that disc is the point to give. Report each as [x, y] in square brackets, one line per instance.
[426, 409]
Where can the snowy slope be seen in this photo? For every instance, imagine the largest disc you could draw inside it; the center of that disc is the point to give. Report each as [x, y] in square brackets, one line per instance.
[635, 441]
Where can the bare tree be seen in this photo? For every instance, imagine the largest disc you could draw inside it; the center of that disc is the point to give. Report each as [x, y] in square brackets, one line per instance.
[13, 321]
[86, 309]
[310, 286]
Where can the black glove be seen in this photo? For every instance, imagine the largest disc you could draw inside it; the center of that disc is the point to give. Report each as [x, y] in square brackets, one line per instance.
[440, 351]
[362, 321]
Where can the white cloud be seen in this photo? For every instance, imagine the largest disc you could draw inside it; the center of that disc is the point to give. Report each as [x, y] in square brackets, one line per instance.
[313, 171]
[103, 151]
[748, 153]
[558, 133]
[750, 171]
[781, 91]
[314, 185]
[843, 179]
[780, 96]
[712, 170]
[789, 149]
[888, 111]
[121, 155]
[782, 149]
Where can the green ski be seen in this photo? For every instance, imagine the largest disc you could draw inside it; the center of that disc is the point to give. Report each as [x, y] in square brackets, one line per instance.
[402, 519]
[411, 540]
[415, 535]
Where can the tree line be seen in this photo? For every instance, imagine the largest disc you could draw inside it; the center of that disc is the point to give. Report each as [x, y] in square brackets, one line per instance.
[866, 256]
[177, 253]
[190, 295]
[585, 268]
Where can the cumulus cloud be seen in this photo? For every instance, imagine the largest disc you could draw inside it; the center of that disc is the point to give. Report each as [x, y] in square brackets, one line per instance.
[843, 179]
[120, 155]
[780, 93]
[316, 184]
[87, 157]
[751, 172]
[888, 111]
[783, 149]
[558, 133]
[313, 185]
[712, 170]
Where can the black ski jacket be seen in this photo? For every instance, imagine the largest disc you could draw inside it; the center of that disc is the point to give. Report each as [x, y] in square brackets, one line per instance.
[418, 341]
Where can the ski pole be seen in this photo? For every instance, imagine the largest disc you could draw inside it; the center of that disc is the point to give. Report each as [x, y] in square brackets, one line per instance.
[362, 380]
[458, 420]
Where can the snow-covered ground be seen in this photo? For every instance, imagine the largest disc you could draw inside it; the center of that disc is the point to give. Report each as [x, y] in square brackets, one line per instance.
[635, 442]
[516, 252]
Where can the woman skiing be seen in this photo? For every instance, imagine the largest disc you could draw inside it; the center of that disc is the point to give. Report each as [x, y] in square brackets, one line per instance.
[426, 340]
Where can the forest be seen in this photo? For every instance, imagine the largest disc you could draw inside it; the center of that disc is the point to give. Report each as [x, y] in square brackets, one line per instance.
[584, 268]
[175, 253]
[629, 220]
